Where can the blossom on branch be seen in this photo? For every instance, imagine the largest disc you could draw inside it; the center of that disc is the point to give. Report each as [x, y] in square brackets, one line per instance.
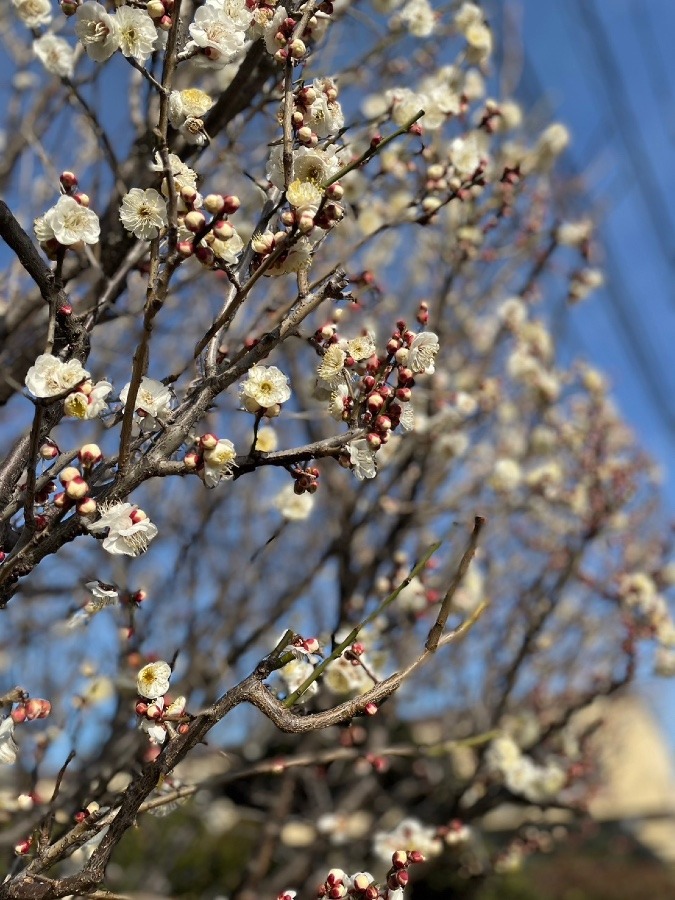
[265, 388]
[152, 680]
[68, 222]
[217, 35]
[55, 54]
[8, 748]
[137, 33]
[49, 376]
[33, 13]
[143, 213]
[219, 462]
[129, 529]
[97, 31]
[89, 401]
[153, 402]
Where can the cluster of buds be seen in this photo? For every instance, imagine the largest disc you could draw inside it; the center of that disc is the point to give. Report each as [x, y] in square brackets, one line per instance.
[212, 458]
[75, 487]
[305, 480]
[215, 239]
[290, 47]
[160, 716]
[29, 709]
[362, 885]
[160, 13]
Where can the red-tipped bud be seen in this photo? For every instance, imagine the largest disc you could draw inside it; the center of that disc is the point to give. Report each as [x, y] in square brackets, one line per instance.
[208, 441]
[195, 221]
[90, 454]
[77, 488]
[231, 204]
[214, 204]
[368, 382]
[49, 450]
[19, 714]
[375, 402]
[223, 230]
[370, 709]
[373, 440]
[403, 394]
[141, 708]
[185, 248]
[399, 859]
[68, 474]
[68, 180]
[86, 507]
[383, 423]
[64, 310]
[23, 847]
[138, 596]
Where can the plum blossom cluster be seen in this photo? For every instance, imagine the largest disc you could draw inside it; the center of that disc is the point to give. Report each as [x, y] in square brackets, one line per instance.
[129, 531]
[521, 774]
[359, 385]
[212, 458]
[24, 709]
[363, 886]
[69, 223]
[264, 391]
[130, 30]
[50, 376]
[161, 717]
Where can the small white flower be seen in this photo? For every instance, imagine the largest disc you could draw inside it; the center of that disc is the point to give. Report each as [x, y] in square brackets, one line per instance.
[265, 387]
[190, 103]
[153, 402]
[69, 223]
[465, 156]
[183, 175]
[156, 731]
[217, 34]
[362, 347]
[336, 404]
[423, 352]
[332, 366]
[137, 33]
[219, 462]
[33, 13]
[409, 834]
[97, 30]
[55, 54]
[304, 196]
[152, 680]
[8, 748]
[49, 376]
[81, 405]
[144, 213]
[419, 16]
[362, 459]
[294, 674]
[129, 529]
[294, 507]
[270, 27]
[228, 250]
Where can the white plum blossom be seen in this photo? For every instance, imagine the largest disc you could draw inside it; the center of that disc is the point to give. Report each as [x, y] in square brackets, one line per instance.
[419, 17]
[183, 175]
[270, 27]
[90, 403]
[68, 222]
[137, 33]
[309, 164]
[332, 366]
[220, 37]
[8, 748]
[191, 103]
[219, 462]
[362, 459]
[153, 679]
[153, 402]
[404, 104]
[55, 54]
[49, 376]
[336, 405]
[361, 347]
[465, 155]
[265, 387]
[33, 13]
[294, 673]
[324, 115]
[304, 196]
[294, 507]
[129, 529]
[422, 353]
[97, 31]
[143, 212]
[409, 834]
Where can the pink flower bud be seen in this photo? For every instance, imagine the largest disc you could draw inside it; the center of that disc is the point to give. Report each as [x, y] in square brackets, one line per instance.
[23, 847]
[61, 501]
[138, 596]
[77, 488]
[195, 221]
[19, 714]
[64, 310]
[297, 48]
[208, 441]
[155, 9]
[192, 459]
[68, 180]
[403, 394]
[185, 248]
[86, 507]
[370, 709]
[373, 440]
[33, 708]
[231, 204]
[383, 423]
[68, 474]
[137, 515]
[375, 402]
[205, 255]
[223, 230]
[90, 454]
[399, 859]
[49, 450]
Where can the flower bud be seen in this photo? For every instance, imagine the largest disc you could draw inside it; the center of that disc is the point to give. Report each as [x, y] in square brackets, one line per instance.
[86, 507]
[370, 709]
[373, 440]
[185, 248]
[68, 474]
[19, 714]
[223, 230]
[399, 859]
[208, 441]
[297, 48]
[23, 847]
[90, 454]
[383, 423]
[195, 220]
[61, 501]
[305, 134]
[192, 459]
[49, 450]
[375, 402]
[155, 9]
[137, 515]
[68, 180]
[231, 204]
[77, 488]
[205, 255]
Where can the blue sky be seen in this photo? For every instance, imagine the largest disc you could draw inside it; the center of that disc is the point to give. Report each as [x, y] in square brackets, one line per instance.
[602, 67]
